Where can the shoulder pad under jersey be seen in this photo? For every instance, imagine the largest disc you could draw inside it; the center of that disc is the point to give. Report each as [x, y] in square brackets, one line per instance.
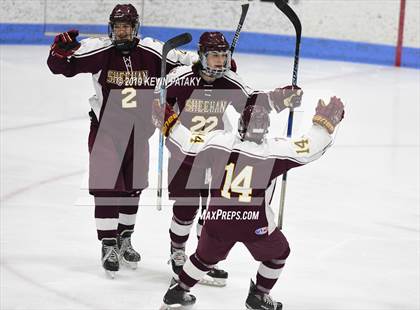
[92, 46]
[234, 78]
[175, 57]
[152, 45]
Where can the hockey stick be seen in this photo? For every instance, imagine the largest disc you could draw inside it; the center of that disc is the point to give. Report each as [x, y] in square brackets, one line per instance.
[291, 15]
[245, 8]
[167, 47]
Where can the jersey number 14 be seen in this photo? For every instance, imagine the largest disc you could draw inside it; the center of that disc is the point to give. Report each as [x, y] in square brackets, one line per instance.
[241, 184]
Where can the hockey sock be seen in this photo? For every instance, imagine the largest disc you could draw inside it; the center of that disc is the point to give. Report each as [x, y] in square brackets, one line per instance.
[268, 273]
[106, 217]
[180, 230]
[193, 271]
[127, 216]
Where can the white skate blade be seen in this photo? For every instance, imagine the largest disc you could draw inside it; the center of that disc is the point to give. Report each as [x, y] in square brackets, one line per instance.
[110, 274]
[174, 307]
[132, 265]
[207, 280]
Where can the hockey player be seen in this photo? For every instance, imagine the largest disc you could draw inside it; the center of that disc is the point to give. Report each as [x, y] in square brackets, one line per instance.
[124, 71]
[243, 167]
[201, 94]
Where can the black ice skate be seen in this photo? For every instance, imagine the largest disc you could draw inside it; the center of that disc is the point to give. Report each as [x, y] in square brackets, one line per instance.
[215, 277]
[178, 259]
[257, 300]
[177, 297]
[110, 257]
[128, 255]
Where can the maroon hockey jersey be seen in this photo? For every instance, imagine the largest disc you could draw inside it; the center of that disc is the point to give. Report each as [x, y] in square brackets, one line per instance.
[124, 88]
[201, 105]
[242, 176]
[121, 75]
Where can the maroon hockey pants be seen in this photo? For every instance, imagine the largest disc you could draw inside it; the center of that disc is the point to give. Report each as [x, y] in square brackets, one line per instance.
[271, 251]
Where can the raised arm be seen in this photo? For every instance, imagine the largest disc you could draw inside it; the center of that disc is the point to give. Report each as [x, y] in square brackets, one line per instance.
[277, 99]
[312, 145]
[69, 57]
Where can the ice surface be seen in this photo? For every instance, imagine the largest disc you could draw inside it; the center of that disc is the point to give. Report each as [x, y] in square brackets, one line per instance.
[352, 218]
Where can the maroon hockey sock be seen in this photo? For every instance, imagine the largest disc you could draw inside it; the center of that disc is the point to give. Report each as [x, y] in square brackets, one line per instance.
[180, 230]
[127, 215]
[106, 217]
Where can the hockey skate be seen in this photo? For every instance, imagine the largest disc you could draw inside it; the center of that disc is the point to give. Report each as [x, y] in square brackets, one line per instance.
[110, 257]
[128, 255]
[257, 300]
[215, 277]
[177, 297]
[178, 259]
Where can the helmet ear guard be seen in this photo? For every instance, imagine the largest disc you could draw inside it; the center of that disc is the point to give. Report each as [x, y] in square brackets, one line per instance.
[253, 124]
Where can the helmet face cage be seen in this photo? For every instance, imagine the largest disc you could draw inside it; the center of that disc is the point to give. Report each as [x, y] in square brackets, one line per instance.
[253, 124]
[214, 43]
[123, 13]
[134, 31]
[215, 72]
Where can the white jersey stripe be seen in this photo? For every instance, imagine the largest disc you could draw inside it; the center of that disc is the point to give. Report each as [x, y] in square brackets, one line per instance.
[268, 210]
[92, 52]
[223, 140]
[91, 46]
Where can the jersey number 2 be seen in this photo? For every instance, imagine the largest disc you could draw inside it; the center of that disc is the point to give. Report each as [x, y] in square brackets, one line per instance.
[241, 184]
[127, 101]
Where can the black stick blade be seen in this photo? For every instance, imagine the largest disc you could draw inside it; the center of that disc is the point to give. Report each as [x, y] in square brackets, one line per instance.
[294, 19]
[175, 42]
[169, 45]
[287, 10]
[245, 8]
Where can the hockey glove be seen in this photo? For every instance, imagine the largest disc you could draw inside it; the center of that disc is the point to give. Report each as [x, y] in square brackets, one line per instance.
[286, 97]
[328, 116]
[65, 44]
[163, 118]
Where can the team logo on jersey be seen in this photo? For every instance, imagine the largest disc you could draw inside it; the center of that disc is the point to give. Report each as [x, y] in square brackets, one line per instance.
[261, 231]
[193, 105]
